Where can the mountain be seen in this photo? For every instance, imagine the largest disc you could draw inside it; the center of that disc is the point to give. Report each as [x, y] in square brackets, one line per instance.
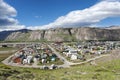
[113, 27]
[4, 35]
[61, 34]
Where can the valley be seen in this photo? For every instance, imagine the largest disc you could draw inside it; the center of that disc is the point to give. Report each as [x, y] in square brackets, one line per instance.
[94, 69]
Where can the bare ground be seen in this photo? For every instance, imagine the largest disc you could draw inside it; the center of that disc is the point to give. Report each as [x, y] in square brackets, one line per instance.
[115, 54]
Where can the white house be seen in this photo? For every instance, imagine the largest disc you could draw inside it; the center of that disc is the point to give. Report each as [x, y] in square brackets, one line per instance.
[71, 52]
[73, 57]
[35, 59]
[43, 61]
[25, 61]
[29, 58]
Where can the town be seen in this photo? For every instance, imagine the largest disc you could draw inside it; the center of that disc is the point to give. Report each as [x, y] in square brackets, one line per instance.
[56, 55]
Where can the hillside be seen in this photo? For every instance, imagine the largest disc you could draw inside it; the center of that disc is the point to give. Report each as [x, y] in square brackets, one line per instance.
[62, 34]
[107, 68]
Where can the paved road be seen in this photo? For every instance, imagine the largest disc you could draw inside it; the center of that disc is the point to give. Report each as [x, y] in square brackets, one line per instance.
[66, 62]
[92, 59]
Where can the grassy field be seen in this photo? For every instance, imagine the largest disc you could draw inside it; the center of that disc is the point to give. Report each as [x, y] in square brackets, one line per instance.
[105, 70]
[7, 48]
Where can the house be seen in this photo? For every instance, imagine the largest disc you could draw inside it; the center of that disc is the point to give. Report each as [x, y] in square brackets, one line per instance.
[74, 57]
[79, 46]
[45, 67]
[53, 59]
[43, 61]
[44, 56]
[4, 45]
[38, 48]
[37, 56]
[35, 60]
[17, 60]
[24, 61]
[29, 58]
[71, 52]
[53, 66]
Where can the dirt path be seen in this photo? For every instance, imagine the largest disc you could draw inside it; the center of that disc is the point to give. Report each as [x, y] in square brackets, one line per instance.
[66, 62]
[115, 54]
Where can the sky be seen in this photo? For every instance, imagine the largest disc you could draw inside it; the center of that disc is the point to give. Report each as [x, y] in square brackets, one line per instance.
[46, 14]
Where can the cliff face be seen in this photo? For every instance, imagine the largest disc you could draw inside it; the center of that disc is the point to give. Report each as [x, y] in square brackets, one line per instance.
[58, 35]
[97, 34]
[71, 34]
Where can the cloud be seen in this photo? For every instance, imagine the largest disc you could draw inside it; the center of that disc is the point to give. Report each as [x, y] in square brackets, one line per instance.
[7, 20]
[12, 27]
[6, 14]
[86, 17]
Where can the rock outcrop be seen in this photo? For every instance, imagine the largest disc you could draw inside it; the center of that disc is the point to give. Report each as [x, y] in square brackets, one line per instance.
[61, 34]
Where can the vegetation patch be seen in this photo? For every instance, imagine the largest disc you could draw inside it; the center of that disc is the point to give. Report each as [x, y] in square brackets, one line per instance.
[104, 70]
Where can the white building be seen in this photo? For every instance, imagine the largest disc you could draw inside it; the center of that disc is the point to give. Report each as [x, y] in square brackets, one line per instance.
[73, 57]
[72, 52]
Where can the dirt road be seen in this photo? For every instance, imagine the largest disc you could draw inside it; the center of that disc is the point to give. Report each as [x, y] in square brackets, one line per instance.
[66, 62]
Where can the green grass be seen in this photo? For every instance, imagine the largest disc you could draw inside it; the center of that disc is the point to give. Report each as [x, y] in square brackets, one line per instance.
[7, 48]
[4, 56]
[57, 62]
[109, 70]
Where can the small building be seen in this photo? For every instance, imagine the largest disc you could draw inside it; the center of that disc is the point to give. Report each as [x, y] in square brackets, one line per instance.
[53, 66]
[24, 61]
[29, 59]
[17, 60]
[43, 61]
[4, 45]
[74, 57]
[71, 52]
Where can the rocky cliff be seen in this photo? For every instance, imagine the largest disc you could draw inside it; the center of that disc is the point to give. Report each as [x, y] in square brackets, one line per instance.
[63, 34]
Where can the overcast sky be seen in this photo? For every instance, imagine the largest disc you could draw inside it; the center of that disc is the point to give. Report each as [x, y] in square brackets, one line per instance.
[45, 14]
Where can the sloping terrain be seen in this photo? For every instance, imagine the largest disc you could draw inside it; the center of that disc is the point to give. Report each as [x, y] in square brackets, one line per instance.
[104, 70]
[62, 34]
